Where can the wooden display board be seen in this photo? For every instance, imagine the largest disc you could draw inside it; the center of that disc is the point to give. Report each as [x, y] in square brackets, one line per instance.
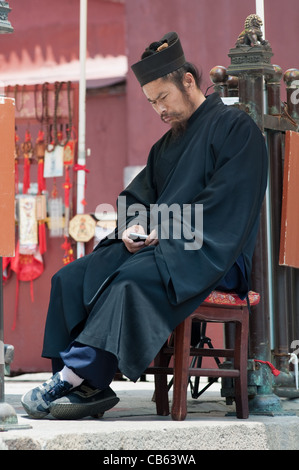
[289, 236]
[7, 177]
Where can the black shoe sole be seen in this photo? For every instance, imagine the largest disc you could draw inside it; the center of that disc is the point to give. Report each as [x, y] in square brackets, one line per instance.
[82, 410]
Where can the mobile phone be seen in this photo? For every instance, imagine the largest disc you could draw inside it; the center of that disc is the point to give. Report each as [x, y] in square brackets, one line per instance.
[138, 237]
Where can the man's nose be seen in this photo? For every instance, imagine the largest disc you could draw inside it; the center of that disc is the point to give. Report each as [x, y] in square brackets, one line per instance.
[161, 108]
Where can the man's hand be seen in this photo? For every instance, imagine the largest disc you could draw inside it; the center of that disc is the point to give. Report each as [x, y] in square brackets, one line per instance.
[133, 246]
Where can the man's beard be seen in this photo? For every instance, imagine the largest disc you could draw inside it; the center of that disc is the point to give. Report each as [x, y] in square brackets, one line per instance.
[178, 126]
[178, 129]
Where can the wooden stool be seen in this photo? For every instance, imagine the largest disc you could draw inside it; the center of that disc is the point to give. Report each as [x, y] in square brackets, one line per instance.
[219, 307]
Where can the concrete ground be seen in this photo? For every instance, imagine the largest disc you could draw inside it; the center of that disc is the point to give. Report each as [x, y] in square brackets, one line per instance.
[133, 424]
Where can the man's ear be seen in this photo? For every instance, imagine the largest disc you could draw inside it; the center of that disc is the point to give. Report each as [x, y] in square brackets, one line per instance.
[188, 80]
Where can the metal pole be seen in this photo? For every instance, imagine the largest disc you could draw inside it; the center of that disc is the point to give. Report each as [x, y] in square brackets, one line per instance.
[260, 11]
[82, 117]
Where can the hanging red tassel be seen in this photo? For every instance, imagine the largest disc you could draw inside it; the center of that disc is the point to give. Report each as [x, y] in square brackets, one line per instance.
[67, 187]
[41, 215]
[41, 181]
[40, 148]
[78, 167]
[42, 237]
[273, 369]
[26, 176]
[68, 256]
[59, 136]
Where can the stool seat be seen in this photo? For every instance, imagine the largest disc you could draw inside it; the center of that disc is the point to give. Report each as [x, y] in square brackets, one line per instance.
[219, 307]
[229, 298]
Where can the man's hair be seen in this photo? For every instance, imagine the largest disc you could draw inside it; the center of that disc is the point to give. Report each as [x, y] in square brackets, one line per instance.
[177, 76]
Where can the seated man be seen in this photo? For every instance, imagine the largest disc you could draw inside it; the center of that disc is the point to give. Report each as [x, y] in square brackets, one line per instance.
[198, 199]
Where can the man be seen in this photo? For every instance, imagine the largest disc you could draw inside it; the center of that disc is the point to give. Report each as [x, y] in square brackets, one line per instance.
[114, 308]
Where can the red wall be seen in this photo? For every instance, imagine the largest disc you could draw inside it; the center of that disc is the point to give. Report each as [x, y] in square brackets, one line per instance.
[106, 138]
[208, 29]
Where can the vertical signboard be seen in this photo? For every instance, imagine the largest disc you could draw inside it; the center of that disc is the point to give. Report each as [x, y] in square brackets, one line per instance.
[7, 177]
[289, 236]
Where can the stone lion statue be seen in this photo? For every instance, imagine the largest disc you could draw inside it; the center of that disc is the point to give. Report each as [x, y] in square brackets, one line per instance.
[252, 34]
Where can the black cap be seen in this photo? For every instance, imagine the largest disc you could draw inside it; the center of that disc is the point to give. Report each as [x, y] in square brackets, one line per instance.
[159, 59]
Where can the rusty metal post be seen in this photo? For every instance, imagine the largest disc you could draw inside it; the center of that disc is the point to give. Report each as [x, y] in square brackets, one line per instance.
[233, 86]
[279, 273]
[252, 64]
[291, 79]
[282, 276]
[286, 281]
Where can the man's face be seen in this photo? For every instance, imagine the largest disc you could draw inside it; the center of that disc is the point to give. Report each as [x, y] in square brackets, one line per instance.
[173, 106]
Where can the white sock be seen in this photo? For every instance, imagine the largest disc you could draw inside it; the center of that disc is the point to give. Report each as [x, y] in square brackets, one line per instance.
[69, 376]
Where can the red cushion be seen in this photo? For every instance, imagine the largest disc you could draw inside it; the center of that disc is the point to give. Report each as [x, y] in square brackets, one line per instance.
[228, 298]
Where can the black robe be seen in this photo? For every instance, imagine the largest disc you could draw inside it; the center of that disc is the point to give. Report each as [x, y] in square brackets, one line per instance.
[128, 304]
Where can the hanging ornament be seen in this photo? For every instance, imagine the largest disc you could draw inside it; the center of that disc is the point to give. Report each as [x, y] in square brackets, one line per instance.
[56, 222]
[39, 150]
[41, 215]
[82, 227]
[27, 268]
[68, 160]
[67, 187]
[69, 146]
[68, 256]
[41, 211]
[27, 152]
[17, 155]
[69, 152]
[42, 237]
[19, 105]
[59, 137]
[58, 134]
[27, 224]
[53, 162]
[27, 262]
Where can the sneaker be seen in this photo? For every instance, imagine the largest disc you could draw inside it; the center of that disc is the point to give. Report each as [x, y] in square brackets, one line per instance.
[37, 401]
[83, 401]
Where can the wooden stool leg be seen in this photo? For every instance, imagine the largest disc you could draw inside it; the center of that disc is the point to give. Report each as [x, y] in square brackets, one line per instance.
[241, 354]
[181, 369]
